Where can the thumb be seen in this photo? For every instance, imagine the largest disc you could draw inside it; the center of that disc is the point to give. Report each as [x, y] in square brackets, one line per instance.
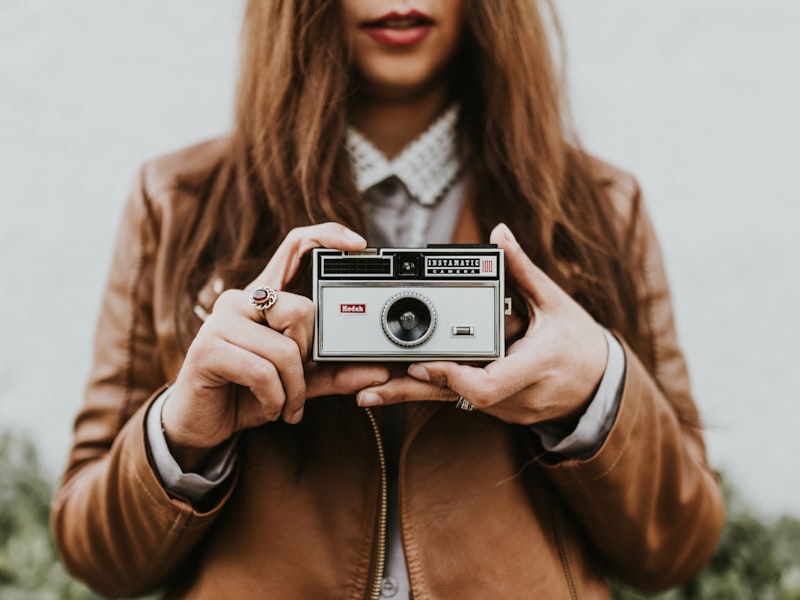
[529, 279]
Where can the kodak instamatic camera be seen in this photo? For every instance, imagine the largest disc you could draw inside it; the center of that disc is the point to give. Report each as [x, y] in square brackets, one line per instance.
[409, 304]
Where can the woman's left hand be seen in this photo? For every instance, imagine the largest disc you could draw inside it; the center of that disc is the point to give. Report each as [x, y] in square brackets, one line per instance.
[549, 374]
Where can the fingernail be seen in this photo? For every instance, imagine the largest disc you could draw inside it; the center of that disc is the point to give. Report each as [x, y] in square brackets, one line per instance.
[369, 399]
[354, 237]
[509, 236]
[297, 417]
[419, 372]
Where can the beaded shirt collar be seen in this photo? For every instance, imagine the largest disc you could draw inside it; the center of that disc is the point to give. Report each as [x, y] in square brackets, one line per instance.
[427, 167]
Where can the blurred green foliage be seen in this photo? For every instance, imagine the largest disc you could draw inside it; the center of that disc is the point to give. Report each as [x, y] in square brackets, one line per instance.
[757, 559]
[29, 565]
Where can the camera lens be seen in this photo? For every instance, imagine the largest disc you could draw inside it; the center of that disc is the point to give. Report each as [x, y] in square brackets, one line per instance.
[408, 319]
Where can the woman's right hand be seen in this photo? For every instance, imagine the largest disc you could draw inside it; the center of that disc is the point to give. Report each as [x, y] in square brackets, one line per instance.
[240, 373]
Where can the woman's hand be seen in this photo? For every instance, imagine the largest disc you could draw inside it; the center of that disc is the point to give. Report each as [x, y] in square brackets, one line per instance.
[240, 372]
[549, 374]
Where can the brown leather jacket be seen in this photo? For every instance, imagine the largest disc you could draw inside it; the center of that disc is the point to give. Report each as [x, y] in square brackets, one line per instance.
[482, 514]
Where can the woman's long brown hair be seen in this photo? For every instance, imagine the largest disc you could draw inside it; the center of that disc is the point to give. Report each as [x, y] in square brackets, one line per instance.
[287, 167]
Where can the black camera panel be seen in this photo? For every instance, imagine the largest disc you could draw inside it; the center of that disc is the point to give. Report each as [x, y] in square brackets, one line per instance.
[407, 265]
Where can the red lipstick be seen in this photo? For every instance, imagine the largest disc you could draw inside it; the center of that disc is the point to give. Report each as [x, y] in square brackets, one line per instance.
[399, 29]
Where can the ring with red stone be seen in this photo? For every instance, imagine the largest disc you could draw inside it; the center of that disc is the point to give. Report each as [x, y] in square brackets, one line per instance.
[263, 298]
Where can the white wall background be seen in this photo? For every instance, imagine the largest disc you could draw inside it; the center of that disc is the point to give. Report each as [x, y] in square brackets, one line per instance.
[699, 98]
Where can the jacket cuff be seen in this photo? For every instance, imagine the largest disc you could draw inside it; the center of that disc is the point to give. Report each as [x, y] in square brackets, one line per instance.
[147, 476]
[624, 428]
[193, 487]
[595, 424]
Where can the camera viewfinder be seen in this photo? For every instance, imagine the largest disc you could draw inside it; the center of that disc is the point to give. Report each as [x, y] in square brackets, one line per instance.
[407, 265]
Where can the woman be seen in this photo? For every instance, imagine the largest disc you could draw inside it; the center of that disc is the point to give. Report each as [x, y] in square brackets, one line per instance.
[214, 458]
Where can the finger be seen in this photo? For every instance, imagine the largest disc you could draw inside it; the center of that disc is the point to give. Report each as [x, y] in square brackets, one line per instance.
[340, 379]
[529, 279]
[291, 315]
[249, 410]
[294, 318]
[282, 351]
[231, 362]
[284, 264]
[285, 356]
[404, 389]
[483, 386]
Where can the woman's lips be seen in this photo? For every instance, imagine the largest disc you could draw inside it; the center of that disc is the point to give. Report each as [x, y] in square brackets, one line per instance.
[397, 30]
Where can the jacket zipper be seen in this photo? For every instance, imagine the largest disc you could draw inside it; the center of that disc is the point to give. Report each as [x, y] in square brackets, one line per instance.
[562, 553]
[382, 514]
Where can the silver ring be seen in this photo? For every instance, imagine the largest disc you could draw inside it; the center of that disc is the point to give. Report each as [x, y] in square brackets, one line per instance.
[464, 404]
[263, 298]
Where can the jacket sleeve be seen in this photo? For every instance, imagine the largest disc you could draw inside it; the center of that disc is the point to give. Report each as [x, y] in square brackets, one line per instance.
[648, 499]
[114, 524]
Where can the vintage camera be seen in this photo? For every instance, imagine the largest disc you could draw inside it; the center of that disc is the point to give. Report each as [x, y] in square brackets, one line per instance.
[443, 302]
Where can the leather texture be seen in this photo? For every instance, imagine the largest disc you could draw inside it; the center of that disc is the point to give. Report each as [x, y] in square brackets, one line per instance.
[483, 514]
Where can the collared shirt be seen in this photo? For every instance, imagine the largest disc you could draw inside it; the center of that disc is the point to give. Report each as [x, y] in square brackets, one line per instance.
[413, 199]
[427, 166]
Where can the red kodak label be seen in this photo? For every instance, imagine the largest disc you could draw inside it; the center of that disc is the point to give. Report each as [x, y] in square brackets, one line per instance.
[353, 308]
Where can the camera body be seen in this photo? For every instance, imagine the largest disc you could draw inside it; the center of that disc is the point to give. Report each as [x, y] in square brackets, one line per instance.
[442, 302]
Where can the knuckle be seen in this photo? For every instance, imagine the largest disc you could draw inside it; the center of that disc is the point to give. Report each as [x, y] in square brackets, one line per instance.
[272, 413]
[226, 300]
[203, 347]
[306, 310]
[296, 235]
[481, 398]
[212, 328]
[258, 365]
[442, 379]
[271, 402]
[340, 229]
[264, 376]
[345, 380]
[298, 397]
[286, 350]
[299, 310]
[481, 403]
